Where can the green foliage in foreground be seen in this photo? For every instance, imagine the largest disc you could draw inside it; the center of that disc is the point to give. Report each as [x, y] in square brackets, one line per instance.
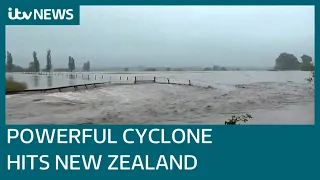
[311, 78]
[235, 119]
[14, 86]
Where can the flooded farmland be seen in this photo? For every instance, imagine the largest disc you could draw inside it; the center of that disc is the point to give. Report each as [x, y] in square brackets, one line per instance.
[270, 97]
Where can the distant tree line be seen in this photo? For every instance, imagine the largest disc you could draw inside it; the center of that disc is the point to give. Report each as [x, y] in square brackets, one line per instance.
[164, 69]
[286, 61]
[34, 66]
[215, 68]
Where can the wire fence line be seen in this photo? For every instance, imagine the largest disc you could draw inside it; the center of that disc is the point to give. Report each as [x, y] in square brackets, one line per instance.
[110, 81]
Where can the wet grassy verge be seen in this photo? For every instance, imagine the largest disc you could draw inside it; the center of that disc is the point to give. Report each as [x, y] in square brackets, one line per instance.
[14, 86]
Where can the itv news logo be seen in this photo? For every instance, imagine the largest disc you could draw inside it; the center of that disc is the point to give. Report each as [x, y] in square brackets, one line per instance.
[40, 14]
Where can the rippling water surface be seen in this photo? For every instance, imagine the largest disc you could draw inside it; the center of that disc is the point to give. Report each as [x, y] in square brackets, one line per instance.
[270, 97]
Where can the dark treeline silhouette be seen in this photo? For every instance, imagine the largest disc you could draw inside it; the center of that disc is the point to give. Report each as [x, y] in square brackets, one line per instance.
[86, 66]
[215, 68]
[286, 61]
[34, 66]
[49, 65]
[9, 63]
[71, 64]
[307, 64]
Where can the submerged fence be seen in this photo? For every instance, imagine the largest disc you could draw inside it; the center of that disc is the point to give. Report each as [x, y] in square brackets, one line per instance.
[111, 81]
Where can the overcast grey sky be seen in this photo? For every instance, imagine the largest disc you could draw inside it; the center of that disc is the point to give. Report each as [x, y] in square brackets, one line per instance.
[170, 36]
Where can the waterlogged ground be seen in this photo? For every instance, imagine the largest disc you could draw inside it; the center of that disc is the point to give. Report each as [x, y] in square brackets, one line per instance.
[285, 101]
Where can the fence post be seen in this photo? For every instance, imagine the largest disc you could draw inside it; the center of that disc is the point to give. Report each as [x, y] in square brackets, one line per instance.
[168, 80]
[189, 82]
[127, 78]
[95, 77]
[120, 77]
[154, 79]
[102, 76]
[135, 79]
[88, 76]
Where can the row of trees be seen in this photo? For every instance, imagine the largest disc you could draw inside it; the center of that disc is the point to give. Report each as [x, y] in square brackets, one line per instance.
[286, 61]
[215, 68]
[34, 66]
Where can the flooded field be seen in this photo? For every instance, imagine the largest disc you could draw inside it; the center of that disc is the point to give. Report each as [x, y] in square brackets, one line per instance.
[270, 97]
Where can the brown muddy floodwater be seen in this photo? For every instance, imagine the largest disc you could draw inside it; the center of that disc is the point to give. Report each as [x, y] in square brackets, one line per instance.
[270, 97]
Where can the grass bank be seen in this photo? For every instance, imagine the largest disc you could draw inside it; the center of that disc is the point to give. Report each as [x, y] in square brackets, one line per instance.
[12, 86]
